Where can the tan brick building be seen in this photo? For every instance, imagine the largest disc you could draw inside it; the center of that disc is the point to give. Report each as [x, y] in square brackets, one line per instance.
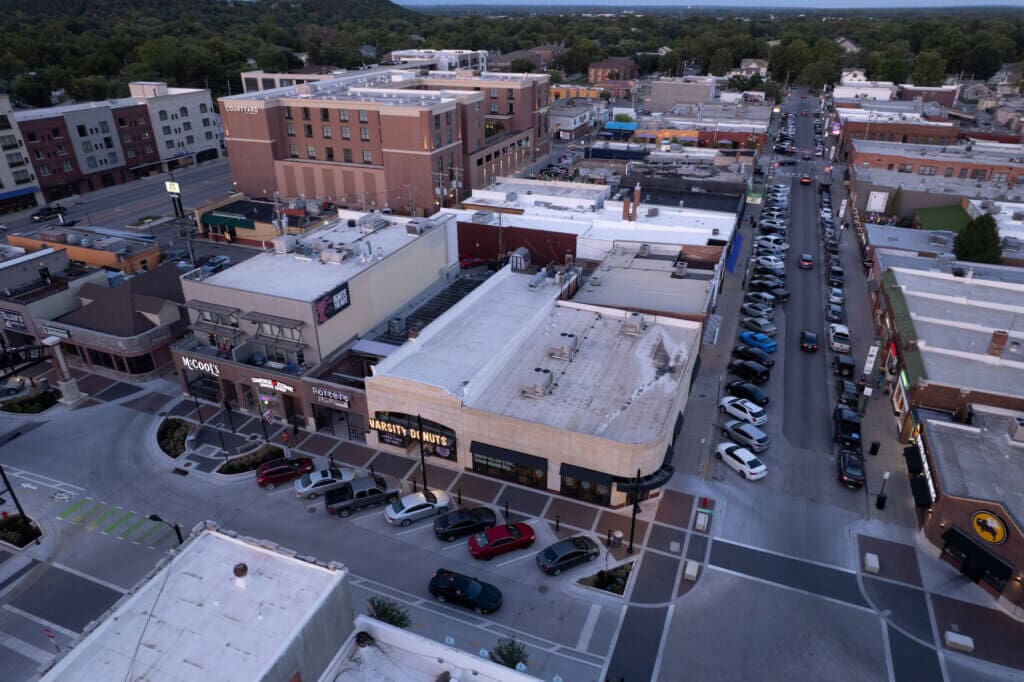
[612, 69]
[980, 161]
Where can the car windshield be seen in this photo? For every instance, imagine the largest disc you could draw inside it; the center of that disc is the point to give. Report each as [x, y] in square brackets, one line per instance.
[397, 506]
[306, 480]
[549, 555]
[472, 589]
[481, 540]
[853, 466]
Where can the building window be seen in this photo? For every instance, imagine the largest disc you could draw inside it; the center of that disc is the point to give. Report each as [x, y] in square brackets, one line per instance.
[120, 122]
[437, 140]
[346, 155]
[346, 133]
[130, 153]
[310, 152]
[126, 138]
[494, 107]
[999, 177]
[926, 170]
[598, 493]
[86, 146]
[90, 161]
[189, 139]
[949, 172]
[169, 144]
[290, 130]
[38, 154]
[364, 117]
[962, 174]
[307, 130]
[330, 153]
[162, 115]
[183, 111]
[288, 113]
[364, 134]
[209, 135]
[327, 132]
[31, 136]
[906, 168]
[449, 136]
[979, 174]
[305, 113]
[81, 131]
[325, 115]
[108, 142]
[167, 130]
[437, 121]
[448, 117]
[203, 108]
[187, 125]
[206, 123]
[67, 167]
[494, 93]
[511, 108]
[22, 176]
[343, 115]
[112, 157]
[148, 148]
[44, 171]
[367, 156]
[293, 151]
[104, 127]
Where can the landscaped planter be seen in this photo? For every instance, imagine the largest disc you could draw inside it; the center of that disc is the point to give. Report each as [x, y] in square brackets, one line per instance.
[32, 404]
[172, 436]
[18, 531]
[612, 581]
[246, 463]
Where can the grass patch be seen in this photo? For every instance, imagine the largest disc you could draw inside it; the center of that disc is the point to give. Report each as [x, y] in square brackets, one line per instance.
[19, 531]
[613, 581]
[32, 404]
[171, 436]
[252, 461]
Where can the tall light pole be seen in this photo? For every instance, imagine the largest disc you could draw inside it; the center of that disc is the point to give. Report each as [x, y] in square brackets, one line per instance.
[423, 457]
[176, 527]
[636, 508]
[880, 500]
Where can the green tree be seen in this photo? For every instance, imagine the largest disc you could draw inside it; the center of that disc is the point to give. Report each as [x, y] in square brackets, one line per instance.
[509, 653]
[721, 61]
[556, 77]
[623, 118]
[979, 241]
[387, 611]
[31, 90]
[522, 65]
[929, 68]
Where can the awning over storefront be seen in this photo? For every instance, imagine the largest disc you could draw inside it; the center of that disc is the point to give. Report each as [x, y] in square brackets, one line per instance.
[517, 458]
[912, 454]
[656, 480]
[215, 308]
[286, 322]
[228, 221]
[979, 554]
[919, 488]
[581, 474]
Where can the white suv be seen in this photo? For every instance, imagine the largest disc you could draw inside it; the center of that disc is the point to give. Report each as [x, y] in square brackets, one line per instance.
[839, 338]
[743, 409]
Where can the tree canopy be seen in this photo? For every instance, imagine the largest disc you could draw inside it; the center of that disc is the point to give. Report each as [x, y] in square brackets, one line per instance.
[979, 241]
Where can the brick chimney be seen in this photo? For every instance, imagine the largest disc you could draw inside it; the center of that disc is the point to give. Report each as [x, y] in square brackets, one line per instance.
[625, 207]
[636, 201]
[998, 342]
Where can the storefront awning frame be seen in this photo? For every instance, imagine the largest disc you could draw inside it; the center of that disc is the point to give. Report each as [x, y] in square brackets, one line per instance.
[517, 458]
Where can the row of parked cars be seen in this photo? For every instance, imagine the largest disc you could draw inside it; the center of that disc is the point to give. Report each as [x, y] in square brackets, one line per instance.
[346, 491]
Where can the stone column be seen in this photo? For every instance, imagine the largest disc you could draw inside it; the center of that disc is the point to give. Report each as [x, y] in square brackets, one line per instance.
[71, 397]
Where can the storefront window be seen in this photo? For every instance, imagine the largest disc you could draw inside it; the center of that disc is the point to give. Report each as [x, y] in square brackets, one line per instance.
[140, 364]
[588, 491]
[504, 469]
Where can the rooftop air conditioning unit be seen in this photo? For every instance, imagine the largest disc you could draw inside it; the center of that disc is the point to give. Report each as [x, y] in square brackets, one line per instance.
[1017, 429]
[415, 227]
[332, 256]
[566, 350]
[644, 251]
[544, 381]
[632, 325]
[284, 244]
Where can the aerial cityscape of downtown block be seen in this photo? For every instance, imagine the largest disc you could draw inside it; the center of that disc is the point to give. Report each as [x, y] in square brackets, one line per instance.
[584, 341]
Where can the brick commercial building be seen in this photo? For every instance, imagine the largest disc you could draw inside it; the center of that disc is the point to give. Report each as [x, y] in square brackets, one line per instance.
[387, 139]
[611, 69]
[892, 126]
[977, 161]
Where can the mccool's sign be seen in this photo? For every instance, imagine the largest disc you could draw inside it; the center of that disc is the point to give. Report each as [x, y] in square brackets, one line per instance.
[197, 365]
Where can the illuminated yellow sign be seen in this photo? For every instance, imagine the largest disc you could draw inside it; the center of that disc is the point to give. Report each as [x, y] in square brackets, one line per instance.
[988, 527]
[382, 426]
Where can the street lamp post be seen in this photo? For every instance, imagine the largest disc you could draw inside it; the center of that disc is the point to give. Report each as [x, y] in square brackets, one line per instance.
[176, 527]
[636, 508]
[881, 499]
[423, 457]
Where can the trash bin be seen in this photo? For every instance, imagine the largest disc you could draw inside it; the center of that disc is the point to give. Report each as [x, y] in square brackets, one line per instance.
[617, 538]
[874, 447]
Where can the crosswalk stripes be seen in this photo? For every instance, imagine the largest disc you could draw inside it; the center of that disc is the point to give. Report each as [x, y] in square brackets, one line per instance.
[124, 524]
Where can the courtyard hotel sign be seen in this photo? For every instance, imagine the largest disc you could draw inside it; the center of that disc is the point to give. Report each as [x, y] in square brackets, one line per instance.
[242, 108]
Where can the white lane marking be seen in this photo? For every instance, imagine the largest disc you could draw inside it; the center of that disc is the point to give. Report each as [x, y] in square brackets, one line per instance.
[22, 647]
[588, 627]
[41, 621]
[664, 639]
[524, 555]
[889, 672]
[414, 529]
[785, 556]
[90, 578]
[44, 481]
[455, 545]
[789, 587]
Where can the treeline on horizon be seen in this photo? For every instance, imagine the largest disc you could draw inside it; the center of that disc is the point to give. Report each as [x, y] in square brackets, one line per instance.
[91, 49]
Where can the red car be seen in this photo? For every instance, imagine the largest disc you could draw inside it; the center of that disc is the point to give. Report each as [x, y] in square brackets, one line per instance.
[805, 179]
[500, 539]
[282, 470]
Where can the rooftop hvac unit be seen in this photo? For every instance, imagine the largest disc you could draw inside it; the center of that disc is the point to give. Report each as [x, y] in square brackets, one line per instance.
[332, 256]
[511, 196]
[520, 259]
[644, 251]
[595, 281]
[396, 326]
[542, 386]
[632, 325]
[54, 236]
[537, 279]
[1018, 215]
[679, 272]
[1017, 429]
[483, 217]
[284, 244]
[567, 349]
[414, 227]
[373, 225]
[652, 212]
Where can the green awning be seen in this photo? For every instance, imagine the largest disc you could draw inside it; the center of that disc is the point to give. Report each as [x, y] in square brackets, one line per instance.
[228, 221]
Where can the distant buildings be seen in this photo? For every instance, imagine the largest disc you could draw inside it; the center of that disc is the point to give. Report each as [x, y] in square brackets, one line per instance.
[94, 247]
[667, 93]
[612, 69]
[18, 185]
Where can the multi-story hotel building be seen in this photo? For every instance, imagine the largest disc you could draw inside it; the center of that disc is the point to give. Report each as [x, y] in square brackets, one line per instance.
[18, 186]
[386, 139]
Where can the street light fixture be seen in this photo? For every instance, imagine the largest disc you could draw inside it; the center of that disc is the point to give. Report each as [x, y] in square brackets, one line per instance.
[880, 500]
[176, 527]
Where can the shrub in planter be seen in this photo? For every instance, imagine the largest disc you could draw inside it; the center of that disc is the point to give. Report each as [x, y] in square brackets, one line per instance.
[388, 611]
[19, 531]
[172, 435]
[252, 461]
[33, 404]
[509, 653]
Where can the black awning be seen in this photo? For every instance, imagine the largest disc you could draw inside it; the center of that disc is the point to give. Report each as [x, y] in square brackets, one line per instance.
[656, 480]
[517, 458]
[979, 554]
[581, 474]
[922, 496]
[913, 456]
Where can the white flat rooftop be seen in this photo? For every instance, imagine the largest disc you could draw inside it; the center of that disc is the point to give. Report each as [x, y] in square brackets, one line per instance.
[488, 348]
[302, 277]
[194, 620]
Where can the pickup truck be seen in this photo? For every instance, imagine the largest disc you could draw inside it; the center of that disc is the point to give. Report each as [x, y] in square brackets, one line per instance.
[364, 491]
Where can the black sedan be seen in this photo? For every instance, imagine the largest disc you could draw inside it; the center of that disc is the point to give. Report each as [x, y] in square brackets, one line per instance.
[461, 589]
[833, 313]
[567, 553]
[764, 284]
[744, 352]
[781, 294]
[742, 389]
[463, 522]
[808, 341]
[847, 393]
[47, 212]
[851, 468]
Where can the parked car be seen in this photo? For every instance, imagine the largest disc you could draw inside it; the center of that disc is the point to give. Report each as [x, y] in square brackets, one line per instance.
[463, 522]
[744, 352]
[282, 470]
[781, 294]
[843, 366]
[835, 277]
[834, 313]
[846, 427]
[742, 389]
[835, 296]
[850, 464]
[566, 554]
[747, 435]
[48, 212]
[769, 261]
[741, 460]
[742, 409]
[759, 297]
[806, 261]
[764, 284]
[360, 492]
[316, 483]
[750, 371]
[772, 240]
[759, 324]
[846, 392]
[416, 506]
[839, 338]
[758, 310]
[498, 540]
[449, 586]
[13, 385]
[769, 275]
[808, 341]
[758, 340]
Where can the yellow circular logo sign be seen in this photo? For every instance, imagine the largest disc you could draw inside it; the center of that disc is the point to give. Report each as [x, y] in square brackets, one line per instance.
[988, 527]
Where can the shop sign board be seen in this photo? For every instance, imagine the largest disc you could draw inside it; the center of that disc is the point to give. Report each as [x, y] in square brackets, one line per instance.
[408, 433]
[331, 397]
[273, 385]
[55, 331]
[13, 319]
[198, 365]
[331, 303]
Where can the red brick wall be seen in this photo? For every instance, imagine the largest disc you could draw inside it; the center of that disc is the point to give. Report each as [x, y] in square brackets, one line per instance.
[483, 241]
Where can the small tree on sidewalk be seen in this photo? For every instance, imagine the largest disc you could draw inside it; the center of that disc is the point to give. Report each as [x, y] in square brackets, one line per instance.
[387, 611]
[509, 653]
